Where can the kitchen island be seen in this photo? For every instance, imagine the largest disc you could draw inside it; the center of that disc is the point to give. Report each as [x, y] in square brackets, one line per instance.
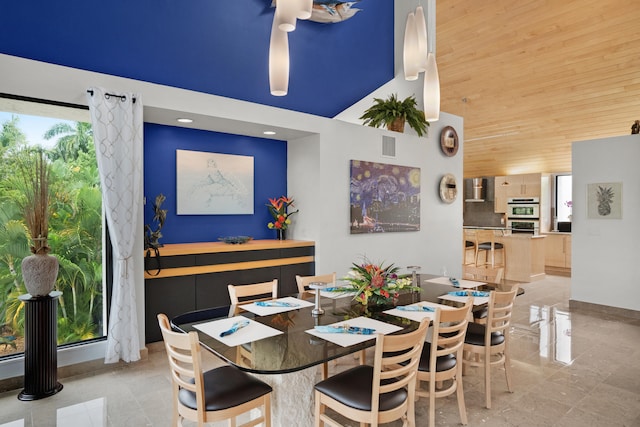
[524, 254]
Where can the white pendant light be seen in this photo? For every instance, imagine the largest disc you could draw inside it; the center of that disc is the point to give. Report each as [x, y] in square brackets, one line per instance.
[304, 9]
[423, 46]
[278, 61]
[431, 94]
[286, 14]
[410, 53]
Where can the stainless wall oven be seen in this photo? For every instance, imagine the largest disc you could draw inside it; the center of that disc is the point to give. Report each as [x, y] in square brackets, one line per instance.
[523, 208]
[524, 225]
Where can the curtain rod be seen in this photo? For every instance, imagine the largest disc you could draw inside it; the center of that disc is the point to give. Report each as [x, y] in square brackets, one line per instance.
[107, 95]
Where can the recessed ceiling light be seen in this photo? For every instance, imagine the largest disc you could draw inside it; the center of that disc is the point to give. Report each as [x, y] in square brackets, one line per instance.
[269, 132]
[185, 120]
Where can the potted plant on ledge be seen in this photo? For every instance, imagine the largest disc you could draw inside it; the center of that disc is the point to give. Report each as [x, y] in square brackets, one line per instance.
[39, 270]
[393, 114]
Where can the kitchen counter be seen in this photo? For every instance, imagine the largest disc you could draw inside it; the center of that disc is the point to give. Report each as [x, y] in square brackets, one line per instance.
[525, 256]
[524, 253]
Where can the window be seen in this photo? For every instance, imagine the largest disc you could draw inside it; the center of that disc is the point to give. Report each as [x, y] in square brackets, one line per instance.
[76, 226]
[564, 203]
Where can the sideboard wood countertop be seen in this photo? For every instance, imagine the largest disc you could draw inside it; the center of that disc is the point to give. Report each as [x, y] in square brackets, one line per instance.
[172, 249]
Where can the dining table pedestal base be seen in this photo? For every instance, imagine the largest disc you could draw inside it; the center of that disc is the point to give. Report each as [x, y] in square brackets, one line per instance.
[292, 398]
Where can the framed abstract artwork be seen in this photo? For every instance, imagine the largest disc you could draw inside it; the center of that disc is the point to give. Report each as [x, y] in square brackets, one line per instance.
[604, 200]
[384, 198]
[213, 183]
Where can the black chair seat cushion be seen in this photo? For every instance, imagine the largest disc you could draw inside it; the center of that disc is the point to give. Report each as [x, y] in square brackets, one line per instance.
[443, 363]
[475, 335]
[353, 388]
[224, 388]
[487, 246]
[482, 313]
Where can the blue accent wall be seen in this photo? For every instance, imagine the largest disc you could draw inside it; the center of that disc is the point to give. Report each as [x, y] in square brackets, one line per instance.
[216, 47]
[211, 46]
[270, 180]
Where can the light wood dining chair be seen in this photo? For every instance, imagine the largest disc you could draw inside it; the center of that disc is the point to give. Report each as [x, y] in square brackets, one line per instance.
[487, 345]
[241, 294]
[483, 274]
[222, 393]
[246, 294]
[380, 393]
[304, 281]
[441, 360]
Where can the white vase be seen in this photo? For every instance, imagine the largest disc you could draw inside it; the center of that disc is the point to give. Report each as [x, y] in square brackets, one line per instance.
[39, 273]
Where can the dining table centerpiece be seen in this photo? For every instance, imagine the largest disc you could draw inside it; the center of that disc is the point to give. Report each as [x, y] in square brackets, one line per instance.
[279, 210]
[377, 284]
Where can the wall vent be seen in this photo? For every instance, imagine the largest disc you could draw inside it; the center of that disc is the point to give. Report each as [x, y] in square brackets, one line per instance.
[388, 146]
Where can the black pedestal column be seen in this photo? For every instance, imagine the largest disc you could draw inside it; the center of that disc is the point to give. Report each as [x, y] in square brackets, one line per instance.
[40, 346]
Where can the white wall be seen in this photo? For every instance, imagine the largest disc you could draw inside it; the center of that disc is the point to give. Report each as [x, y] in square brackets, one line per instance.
[322, 166]
[606, 252]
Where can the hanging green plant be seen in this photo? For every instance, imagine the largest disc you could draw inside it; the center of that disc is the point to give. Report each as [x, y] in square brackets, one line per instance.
[393, 113]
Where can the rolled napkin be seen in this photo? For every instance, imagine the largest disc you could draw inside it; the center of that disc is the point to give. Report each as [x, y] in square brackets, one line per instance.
[415, 308]
[276, 304]
[236, 326]
[469, 293]
[454, 282]
[345, 330]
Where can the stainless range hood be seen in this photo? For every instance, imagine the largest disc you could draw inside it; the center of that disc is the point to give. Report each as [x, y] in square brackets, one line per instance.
[477, 190]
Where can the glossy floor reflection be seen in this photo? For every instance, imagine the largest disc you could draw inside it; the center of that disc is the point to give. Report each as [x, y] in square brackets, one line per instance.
[570, 369]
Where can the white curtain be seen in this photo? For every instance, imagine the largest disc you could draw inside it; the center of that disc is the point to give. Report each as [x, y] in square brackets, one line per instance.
[117, 132]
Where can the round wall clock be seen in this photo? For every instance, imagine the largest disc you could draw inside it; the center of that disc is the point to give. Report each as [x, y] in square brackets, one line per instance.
[448, 188]
[449, 141]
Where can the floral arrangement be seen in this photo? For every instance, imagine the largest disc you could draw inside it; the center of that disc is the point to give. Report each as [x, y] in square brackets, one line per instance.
[278, 209]
[377, 283]
[568, 204]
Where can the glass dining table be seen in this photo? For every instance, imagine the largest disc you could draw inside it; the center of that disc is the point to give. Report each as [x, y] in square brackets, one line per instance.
[289, 360]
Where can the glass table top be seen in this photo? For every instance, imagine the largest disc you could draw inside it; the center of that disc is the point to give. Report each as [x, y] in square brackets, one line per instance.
[294, 349]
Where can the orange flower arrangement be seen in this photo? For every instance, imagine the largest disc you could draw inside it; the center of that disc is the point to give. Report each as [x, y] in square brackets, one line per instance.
[278, 209]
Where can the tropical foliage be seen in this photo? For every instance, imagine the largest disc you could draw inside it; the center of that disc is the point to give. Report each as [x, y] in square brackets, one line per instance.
[385, 111]
[75, 229]
[377, 283]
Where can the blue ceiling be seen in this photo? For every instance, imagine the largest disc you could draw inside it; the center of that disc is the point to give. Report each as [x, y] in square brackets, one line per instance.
[211, 46]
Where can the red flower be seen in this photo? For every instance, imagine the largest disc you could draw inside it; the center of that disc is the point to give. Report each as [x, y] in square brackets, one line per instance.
[377, 281]
[276, 203]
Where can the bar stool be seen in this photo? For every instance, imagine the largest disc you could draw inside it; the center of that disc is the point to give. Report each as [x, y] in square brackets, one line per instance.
[469, 247]
[486, 242]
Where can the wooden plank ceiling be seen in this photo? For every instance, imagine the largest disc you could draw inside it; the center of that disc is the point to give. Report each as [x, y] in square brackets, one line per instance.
[531, 77]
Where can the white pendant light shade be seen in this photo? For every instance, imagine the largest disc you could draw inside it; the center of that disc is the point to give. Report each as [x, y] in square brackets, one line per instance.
[304, 9]
[286, 14]
[423, 46]
[410, 53]
[279, 61]
[431, 89]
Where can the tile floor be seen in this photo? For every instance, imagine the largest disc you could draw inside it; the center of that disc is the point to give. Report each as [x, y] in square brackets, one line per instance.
[570, 369]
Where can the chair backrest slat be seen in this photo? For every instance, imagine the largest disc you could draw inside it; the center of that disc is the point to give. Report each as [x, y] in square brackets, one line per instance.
[500, 310]
[304, 281]
[240, 294]
[397, 357]
[449, 329]
[183, 351]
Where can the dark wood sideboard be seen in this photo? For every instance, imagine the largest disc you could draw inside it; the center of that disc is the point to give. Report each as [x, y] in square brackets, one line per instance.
[194, 276]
